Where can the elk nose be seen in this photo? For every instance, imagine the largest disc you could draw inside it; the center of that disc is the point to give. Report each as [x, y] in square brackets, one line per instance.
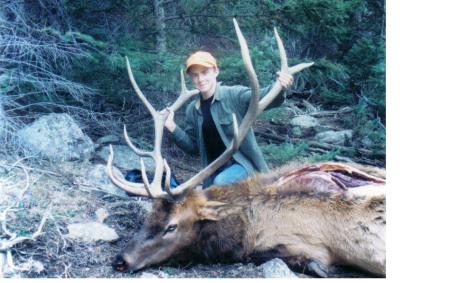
[119, 264]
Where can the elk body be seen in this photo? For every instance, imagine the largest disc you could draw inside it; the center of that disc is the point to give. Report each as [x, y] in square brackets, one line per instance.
[316, 215]
[252, 221]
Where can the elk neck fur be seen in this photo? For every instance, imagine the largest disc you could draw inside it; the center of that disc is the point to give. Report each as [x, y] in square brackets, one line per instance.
[294, 223]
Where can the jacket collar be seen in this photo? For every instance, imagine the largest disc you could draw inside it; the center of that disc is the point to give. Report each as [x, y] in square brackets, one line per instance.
[217, 96]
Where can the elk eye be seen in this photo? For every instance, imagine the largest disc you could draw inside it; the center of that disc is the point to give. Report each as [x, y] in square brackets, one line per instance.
[171, 228]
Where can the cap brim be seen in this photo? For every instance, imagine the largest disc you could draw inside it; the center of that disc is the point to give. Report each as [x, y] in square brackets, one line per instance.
[203, 64]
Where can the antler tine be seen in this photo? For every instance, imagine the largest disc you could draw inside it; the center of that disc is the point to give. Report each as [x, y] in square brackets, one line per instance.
[133, 188]
[252, 110]
[138, 90]
[299, 67]
[133, 147]
[283, 56]
[183, 82]
[167, 181]
[276, 89]
[185, 94]
[154, 189]
[235, 132]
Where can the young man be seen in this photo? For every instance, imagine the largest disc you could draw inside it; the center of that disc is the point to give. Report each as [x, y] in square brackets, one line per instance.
[209, 128]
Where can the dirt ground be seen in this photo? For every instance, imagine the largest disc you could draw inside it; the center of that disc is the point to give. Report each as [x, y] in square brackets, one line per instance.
[56, 191]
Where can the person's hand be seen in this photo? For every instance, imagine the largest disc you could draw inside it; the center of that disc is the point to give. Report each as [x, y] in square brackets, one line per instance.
[170, 123]
[285, 79]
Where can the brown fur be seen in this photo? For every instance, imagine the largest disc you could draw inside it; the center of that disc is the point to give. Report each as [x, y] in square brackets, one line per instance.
[252, 220]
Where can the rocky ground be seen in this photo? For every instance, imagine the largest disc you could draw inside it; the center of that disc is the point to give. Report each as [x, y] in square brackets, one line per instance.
[61, 217]
[105, 222]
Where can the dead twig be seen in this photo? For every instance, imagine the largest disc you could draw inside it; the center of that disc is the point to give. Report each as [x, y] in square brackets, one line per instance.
[9, 239]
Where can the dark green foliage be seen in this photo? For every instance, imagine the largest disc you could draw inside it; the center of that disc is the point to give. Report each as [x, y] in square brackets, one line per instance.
[284, 152]
[346, 39]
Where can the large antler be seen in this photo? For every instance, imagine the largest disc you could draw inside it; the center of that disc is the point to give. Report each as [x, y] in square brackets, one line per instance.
[254, 109]
[159, 117]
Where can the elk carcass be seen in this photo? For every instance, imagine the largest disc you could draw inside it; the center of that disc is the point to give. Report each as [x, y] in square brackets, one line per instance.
[317, 215]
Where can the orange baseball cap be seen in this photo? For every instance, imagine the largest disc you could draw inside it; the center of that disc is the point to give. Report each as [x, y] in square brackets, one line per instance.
[201, 58]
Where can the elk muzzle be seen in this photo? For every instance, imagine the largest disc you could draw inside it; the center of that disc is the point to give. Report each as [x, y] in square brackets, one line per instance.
[120, 264]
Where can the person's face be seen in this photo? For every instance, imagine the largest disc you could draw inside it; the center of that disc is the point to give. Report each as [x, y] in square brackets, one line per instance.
[204, 78]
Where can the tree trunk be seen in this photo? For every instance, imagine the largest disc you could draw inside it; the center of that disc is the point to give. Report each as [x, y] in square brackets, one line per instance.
[161, 38]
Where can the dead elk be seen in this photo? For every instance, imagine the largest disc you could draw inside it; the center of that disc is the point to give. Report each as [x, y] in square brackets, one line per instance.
[317, 215]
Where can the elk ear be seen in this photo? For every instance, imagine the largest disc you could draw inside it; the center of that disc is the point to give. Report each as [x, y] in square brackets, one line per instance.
[211, 210]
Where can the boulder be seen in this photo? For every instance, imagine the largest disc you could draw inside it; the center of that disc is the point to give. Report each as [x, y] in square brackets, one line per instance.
[334, 137]
[57, 137]
[125, 158]
[304, 125]
[91, 232]
[96, 176]
[276, 268]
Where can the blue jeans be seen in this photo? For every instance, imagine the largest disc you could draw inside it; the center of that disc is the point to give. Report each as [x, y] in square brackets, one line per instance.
[230, 173]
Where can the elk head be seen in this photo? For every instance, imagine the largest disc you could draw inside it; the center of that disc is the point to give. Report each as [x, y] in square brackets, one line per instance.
[172, 226]
[177, 213]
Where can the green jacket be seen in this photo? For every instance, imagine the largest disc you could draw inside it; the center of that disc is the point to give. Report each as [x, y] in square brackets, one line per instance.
[227, 100]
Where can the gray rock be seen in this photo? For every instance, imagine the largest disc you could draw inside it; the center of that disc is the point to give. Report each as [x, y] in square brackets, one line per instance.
[303, 125]
[57, 137]
[160, 274]
[276, 268]
[91, 232]
[297, 132]
[125, 158]
[334, 137]
[101, 215]
[96, 176]
[108, 139]
[148, 275]
[367, 142]
[304, 121]
[37, 266]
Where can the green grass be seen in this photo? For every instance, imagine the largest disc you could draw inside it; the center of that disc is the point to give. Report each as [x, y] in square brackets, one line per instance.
[283, 152]
[278, 113]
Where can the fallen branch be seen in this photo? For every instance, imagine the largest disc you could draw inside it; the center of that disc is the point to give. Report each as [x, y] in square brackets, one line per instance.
[270, 136]
[336, 157]
[309, 107]
[312, 144]
[318, 114]
[343, 149]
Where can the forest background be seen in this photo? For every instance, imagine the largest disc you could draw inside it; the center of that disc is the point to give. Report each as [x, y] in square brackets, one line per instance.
[68, 56]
